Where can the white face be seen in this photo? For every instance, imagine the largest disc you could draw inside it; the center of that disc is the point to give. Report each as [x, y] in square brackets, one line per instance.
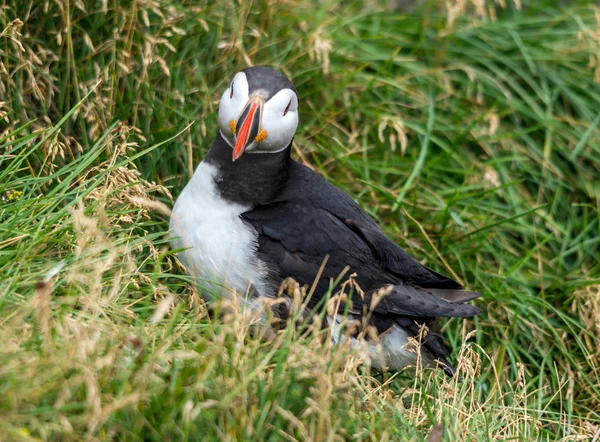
[279, 118]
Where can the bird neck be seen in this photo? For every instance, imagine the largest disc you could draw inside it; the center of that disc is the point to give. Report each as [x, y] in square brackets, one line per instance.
[253, 179]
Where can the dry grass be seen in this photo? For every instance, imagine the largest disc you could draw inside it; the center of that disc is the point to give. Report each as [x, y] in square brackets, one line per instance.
[479, 122]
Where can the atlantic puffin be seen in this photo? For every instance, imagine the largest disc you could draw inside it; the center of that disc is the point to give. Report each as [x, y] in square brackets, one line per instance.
[251, 217]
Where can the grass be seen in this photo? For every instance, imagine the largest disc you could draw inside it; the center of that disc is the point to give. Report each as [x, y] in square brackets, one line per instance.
[471, 135]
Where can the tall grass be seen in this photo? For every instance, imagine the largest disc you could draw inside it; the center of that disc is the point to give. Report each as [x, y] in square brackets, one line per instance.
[470, 134]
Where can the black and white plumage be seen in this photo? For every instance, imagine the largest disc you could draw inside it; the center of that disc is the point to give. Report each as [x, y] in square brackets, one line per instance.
[251, 217]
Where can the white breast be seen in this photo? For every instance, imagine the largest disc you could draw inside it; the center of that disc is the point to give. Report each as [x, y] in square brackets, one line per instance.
[220, 247]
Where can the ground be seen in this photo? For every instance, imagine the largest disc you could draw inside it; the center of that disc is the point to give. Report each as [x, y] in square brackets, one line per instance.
[467, 129]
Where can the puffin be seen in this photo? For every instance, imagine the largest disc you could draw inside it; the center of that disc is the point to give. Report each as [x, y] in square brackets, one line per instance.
[251, 218]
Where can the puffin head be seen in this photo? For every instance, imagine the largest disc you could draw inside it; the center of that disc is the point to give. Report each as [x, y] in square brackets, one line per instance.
[258, 112]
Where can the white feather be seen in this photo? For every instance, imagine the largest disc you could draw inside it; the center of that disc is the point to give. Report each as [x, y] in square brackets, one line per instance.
[231, 106]
[391, 353]
[280, 128]
[220, 248]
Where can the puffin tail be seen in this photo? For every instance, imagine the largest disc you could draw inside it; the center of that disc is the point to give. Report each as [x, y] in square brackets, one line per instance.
[455, 296]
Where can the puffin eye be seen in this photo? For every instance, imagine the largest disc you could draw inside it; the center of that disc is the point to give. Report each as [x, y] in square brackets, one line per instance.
[287, 108]
[231, 93]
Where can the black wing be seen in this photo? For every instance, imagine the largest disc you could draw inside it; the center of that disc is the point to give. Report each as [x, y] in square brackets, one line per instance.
[309, 189]
[294, 238]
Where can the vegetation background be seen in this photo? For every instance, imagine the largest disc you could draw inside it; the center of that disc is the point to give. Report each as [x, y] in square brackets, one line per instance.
[467, 128]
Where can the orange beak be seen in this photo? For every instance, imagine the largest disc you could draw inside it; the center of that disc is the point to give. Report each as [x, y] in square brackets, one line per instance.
[248, 126]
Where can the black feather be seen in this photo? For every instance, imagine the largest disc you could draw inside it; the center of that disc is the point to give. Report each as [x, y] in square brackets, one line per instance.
[300, 219]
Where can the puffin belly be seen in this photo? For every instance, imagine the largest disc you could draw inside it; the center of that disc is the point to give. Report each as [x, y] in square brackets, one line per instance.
[393, 351]
[220, 247]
